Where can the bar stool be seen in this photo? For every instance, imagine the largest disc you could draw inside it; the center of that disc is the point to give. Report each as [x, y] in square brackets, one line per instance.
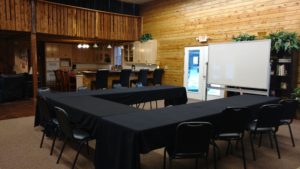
[142, 78]
[101, 81]
[156, 80]
[157, 77]
[124, 79]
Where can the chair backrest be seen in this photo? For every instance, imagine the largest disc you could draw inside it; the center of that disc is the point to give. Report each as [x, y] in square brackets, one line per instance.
[142, 77]
[289, 108]
[44, 110]
[269, 115]
[59, 79]
[157, 76]
[101, 79]
[64, 122]
[124, 77]
[234, 120]
[66, 81]
[193, 138]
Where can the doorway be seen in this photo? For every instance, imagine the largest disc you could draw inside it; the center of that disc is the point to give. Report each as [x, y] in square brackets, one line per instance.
[195, 65]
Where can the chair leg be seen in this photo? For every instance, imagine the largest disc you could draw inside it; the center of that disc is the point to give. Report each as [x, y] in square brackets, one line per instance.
[215, 155]
[252, 147]
[243, 151]
[271, 142]
[260, 139]
[42, 139]
[170, 162]
[143, 105]
[156, 103]
[54, 139]
[150, 105]
[228, 148]
[165, 153]
[196, 163]
[87, 147]
[276, 143]
[73, 166]
[61, 151]
[291, 133]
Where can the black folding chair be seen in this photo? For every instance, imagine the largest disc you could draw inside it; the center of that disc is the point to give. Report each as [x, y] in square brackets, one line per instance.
[124, 79]
[191, 142]
[48, 121]
[71, 133]
[289, 111]
[266, 122]
[233, 123]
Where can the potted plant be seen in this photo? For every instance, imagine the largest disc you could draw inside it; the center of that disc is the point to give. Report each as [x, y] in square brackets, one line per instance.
[284, 43]
[244, 37]
[145, 37]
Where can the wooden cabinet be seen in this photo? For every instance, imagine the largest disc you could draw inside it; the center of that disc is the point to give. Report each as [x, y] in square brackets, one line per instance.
[145, 52]
[283, 75]
[127, 53]
[100, 55]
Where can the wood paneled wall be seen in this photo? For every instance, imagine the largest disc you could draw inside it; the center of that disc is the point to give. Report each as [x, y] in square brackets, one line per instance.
[176, 24]
[65, 20]
[15, 15]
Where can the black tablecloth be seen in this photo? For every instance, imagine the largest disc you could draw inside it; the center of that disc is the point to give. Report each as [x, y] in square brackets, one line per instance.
[123, 137]
[85, 108]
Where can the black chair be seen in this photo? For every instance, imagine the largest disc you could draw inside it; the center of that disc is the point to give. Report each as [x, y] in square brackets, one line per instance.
[124, 79]
[47, 120]
[101, 79]
[192, 141]
[266, 122]
[289, 111]
[233, 123]
[142, 78]
[70, 133]
[157, 77]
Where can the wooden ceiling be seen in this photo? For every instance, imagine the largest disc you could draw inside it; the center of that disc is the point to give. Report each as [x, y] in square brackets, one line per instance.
[136, 1]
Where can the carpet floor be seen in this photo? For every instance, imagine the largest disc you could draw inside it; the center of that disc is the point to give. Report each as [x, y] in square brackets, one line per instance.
[19, 149]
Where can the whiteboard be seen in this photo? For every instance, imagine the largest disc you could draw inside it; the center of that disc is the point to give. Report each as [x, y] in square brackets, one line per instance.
[240, 64]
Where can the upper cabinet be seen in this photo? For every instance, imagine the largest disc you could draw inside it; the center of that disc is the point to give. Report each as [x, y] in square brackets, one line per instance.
[145, 52]
[128, 52]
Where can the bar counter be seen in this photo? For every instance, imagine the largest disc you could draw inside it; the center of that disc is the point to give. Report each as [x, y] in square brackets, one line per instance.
[89, 76]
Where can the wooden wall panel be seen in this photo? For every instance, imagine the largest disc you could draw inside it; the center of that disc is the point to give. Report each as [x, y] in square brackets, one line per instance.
[65, 20]
[176, 24]
[15, 15]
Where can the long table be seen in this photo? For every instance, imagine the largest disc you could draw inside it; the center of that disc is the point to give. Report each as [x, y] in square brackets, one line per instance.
[85, 108]
[126, 136]
[123, 132]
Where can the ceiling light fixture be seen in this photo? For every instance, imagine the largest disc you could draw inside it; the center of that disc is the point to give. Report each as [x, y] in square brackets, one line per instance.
[95, 45]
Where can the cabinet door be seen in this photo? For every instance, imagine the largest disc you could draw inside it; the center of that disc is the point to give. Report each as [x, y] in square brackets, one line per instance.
[136, 52]
[150, 51]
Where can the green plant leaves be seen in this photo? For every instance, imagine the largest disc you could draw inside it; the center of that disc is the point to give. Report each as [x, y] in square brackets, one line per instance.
[284, 42]
[244, 37]
[145, 37]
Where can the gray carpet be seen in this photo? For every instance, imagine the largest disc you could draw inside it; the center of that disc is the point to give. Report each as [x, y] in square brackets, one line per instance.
[19, 149]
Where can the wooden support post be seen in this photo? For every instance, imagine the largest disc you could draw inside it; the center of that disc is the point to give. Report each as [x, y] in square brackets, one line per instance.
[34, 48]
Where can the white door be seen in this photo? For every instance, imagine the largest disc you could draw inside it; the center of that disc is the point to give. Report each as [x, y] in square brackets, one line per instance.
[195, 65]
